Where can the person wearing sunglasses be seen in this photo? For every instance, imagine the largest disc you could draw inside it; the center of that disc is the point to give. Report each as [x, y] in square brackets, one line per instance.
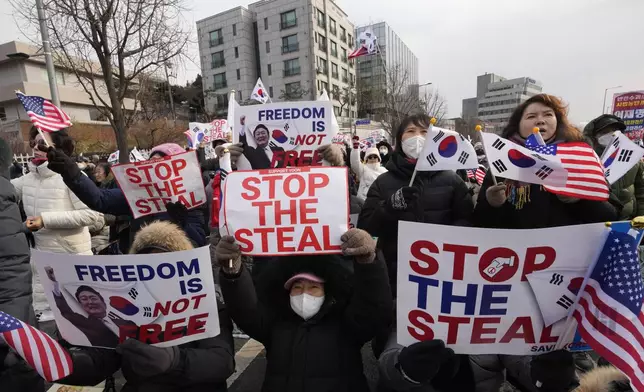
[368, 171]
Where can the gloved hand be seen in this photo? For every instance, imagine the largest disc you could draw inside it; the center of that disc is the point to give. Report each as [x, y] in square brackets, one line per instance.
[359, 244]
[60, 163]
[226, 251]
[554, 371]
[495, 195]
[404, 199]
[145, 360]
[427, 361]
[332, 153]
[356, 142]
[178, 212]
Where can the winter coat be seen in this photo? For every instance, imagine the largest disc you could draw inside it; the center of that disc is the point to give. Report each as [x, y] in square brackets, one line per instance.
[15, 289]
[366, 175]
[15, 171]
[113, 201]
[321, 354]
[392, 379]
[100, 232]
[444, 200]
[629, 190]
[204, 365]
[385, 158]
[65, 217]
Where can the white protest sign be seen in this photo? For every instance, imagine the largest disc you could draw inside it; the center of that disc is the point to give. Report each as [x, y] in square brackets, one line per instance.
[469, 287]
[284, 134]
[150, 185]
[287, 211]
[164, 299]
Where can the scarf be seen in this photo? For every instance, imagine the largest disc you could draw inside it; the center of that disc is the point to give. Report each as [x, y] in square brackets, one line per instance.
[216, 198]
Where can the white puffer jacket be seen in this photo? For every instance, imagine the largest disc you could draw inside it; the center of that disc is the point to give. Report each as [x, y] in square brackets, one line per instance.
[65, 217]
[366, 175]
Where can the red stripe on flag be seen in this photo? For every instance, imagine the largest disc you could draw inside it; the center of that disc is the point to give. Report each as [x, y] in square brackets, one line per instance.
[42, 353]
[54, 349]
[26, 347]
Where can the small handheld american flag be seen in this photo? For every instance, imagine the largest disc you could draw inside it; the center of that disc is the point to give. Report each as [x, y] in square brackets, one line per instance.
[44, 114]
[40, 351]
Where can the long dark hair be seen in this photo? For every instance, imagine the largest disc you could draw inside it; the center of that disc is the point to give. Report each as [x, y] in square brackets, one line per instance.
[60, 139]
[565, 131]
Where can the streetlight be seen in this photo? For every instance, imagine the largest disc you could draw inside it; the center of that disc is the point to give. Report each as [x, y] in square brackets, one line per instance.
[606, 92]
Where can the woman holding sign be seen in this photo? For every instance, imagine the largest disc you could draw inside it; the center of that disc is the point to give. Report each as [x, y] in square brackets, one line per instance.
[516, 205]
[312, 319]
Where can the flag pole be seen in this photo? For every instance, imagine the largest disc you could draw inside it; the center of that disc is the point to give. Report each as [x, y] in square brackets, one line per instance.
[413, 175]
[479, 131]
[537, 134]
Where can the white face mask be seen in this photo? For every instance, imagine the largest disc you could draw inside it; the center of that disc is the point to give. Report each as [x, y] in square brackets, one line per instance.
[605, 140]
[373, 166]
[413, 146]
[384, 151]
[306, 305]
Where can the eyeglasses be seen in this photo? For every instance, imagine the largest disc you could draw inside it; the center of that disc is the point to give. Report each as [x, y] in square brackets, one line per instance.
[372, 157]
[41, 142]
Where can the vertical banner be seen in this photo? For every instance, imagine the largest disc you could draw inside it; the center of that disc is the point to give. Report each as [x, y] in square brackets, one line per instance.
[149, 185]
[491, 291]
[630, 108]
[284, 134]
[164, 299]
[287, 211]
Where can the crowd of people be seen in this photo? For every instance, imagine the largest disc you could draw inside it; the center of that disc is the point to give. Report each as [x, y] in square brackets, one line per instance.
[313, 314]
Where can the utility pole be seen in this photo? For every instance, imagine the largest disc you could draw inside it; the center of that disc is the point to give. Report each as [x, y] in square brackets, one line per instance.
[49, 62]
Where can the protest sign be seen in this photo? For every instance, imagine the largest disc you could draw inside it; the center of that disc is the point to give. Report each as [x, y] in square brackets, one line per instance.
[150, 185]
[285, 133]
[287, 211]
[630, 108]
[482, 291]
[164, 299]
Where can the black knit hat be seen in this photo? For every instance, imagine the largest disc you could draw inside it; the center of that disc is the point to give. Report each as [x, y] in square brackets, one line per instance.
[603, 121]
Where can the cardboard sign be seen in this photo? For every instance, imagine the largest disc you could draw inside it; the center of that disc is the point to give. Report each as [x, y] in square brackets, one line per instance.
[150, 185]
[164, 299]
[486, 291]
[287, 211]
[284, 134]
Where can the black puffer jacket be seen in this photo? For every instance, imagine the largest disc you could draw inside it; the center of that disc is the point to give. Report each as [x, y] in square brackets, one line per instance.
[323, 353]
[444, 199]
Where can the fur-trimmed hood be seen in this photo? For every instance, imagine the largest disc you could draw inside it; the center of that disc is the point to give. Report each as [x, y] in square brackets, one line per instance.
[160, 235]
[604, 379]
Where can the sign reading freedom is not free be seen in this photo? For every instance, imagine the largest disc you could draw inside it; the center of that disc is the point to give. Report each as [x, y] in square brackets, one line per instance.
[287, 211]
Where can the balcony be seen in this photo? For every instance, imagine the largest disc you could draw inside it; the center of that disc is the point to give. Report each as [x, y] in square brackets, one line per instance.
[288, 24]
[217, 64]
[216, 42]
[291, 48]
[220, 85]
[292, 71]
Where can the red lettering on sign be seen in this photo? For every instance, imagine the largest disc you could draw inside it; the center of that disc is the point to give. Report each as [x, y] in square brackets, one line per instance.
[290, 212]
[309, 240]
[546, 335]
[133, 175]
[549, 255]
[420, 321]
[142, 207]
[452, 326]
[305, 210]
[301, 186]
[248, 184]
[478, 329]
[431, 265]
[244, 238]
[262, 210]
[282, 239]
[196, 324]
[173, 330]
[459, 257]
[520, 329]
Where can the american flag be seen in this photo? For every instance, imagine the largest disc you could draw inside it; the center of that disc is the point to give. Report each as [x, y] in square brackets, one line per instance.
[609, 312]
[44, 114]
[480, 174]
[586, 179]
[40, 351]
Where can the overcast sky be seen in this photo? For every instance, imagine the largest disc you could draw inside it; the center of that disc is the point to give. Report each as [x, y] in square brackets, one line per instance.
[576, 48]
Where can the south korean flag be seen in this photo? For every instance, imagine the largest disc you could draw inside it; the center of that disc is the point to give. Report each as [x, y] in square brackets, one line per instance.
[512, 161]
[620, 156]
[446, 150]
[556, 291]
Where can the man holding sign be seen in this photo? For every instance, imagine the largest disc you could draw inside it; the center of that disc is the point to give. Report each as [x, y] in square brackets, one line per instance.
[167, 187]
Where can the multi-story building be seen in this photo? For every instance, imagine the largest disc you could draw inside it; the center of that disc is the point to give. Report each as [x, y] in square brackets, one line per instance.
[298, 48]
[394, 57]
[497, 97]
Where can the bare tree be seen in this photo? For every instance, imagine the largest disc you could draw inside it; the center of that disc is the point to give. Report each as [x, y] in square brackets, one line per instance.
[435, 105]
[108, 45]
[294, 94]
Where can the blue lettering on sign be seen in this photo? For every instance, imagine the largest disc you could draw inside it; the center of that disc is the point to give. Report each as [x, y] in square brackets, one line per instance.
[488, 298]
[134, 273]
[423, 283]
[291, 114]
[469, 299]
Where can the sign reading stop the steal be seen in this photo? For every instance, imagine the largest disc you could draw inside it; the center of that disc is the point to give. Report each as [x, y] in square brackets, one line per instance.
[287, 211]
[149, 185]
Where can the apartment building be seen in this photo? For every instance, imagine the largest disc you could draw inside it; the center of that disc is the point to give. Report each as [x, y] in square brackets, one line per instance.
[299, 48]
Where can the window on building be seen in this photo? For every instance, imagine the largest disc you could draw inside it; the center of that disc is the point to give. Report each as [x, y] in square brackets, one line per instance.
[336, 92]
[322, 42]
[238, 74]
[265, 23]
[216, 38]
[270, 91]
[350, 41]
[236, 52]
[220, 81]
[343, 34]
[332, 26]
[324, 86]
[288, 19]
[217, 60]
[292, 67]
[345, 75]
[290, 44]
[334, 71]
[234, 29]
[322, 65]
[334, 49]
[3, 114]
[336, 110]
[270, 70]
[222, 101]
[321, 19]
[268, 46]
[292, 88]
